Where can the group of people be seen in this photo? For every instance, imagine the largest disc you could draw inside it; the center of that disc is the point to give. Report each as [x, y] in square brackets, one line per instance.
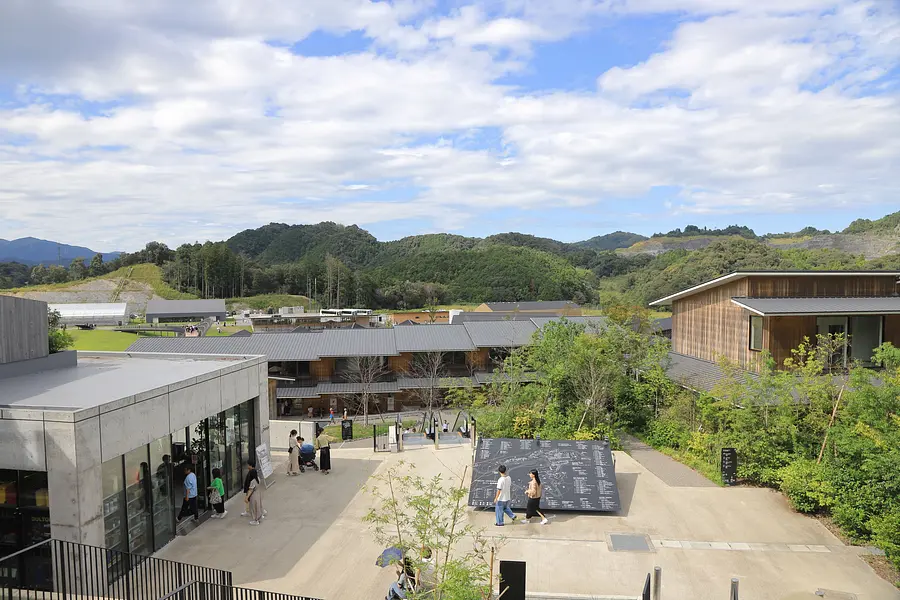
[504, 495]
[409, 579]
[302, 454]
[253, 506]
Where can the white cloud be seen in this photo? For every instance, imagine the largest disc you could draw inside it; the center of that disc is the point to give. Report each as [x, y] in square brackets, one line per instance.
[208, 126]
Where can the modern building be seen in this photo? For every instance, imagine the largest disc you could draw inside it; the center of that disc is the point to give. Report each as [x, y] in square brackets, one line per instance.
[103, 313]
[742, 315]
[93, 445]
[323, 370]
[559, 308]
[162, 311]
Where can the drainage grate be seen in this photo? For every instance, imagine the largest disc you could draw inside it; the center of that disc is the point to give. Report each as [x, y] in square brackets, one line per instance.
[629, 542]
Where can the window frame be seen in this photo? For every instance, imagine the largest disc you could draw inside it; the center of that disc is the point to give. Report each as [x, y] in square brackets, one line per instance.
[761, 336]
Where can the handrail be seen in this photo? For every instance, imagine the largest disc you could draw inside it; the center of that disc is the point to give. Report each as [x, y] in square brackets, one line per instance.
[179, 589]
[24, 550]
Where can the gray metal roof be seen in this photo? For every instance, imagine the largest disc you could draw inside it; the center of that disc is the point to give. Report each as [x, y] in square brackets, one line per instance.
[589, 323]
[356, 342]
[296, 392]
[92, 310]
[176, 308]
[413, 383]
[276, 346]
[820, 306]
[695, 373]
[433, 338]
[380, 387]
[500, 334]
[473, 317]
[539, 305]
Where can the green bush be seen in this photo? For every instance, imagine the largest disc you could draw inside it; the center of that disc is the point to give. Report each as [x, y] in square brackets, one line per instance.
[667, 434]
[806, 485]
[886, 530]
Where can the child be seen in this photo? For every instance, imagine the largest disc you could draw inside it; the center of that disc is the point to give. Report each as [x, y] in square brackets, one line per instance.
[217, 489]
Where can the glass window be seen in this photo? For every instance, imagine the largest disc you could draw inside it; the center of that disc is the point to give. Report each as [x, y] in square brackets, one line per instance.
[138, 502]
[217, 446]
[114, 503]
[200, 460]
[233, 450]
[163, 515]
[756, 333]
[245, 420]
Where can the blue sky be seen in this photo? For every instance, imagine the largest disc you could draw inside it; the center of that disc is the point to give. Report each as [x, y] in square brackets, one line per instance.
[122, 123]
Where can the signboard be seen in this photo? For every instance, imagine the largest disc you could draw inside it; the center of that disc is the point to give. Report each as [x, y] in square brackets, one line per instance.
[575, 475]
[346, 430]
[729, 466]
[264, 463]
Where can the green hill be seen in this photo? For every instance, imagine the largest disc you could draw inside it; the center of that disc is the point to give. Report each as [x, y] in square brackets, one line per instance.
[612, 241]
[887, 224]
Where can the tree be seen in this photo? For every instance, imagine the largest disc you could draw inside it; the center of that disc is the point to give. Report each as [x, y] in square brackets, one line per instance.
[429, 367]
[77, 269]
[57, 274]
[366, 371]
[421, 515]
[96, 267]
[59, 339]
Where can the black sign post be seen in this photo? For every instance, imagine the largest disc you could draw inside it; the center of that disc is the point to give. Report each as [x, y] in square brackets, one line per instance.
[512, 579]
[729, 466]
[346, 430]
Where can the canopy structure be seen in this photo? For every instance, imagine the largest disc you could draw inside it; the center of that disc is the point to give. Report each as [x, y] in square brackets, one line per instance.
[105, 313]
[783, 307]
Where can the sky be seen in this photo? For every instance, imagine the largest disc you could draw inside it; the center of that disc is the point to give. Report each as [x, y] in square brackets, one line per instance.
[123, 122]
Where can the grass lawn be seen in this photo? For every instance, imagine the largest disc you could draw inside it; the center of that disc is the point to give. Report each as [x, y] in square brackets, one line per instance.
[99, 339]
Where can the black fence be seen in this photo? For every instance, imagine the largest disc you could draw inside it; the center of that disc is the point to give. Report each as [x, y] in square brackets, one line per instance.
[198, 590]
[57, 570]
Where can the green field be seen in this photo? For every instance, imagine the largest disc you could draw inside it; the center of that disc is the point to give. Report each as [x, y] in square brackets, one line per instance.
[100, 339]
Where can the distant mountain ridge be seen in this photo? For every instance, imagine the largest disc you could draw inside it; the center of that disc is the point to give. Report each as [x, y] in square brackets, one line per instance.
[33, 251]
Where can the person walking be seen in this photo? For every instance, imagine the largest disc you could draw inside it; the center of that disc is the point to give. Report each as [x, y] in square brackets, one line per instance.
[345, 414]
[253, 493]
[331, 415]
[323, 445]
[217, 494]
[533, 492]
[293, 454]
[189, 505]
[503, 496]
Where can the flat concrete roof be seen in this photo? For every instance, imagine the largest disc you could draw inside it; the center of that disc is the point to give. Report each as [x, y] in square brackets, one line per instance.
[99, 379]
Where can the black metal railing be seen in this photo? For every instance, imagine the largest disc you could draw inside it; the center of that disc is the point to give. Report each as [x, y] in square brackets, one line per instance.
[198, 590]
[54, 569]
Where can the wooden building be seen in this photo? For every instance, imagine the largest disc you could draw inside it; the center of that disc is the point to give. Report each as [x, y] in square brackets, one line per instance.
[745, 314]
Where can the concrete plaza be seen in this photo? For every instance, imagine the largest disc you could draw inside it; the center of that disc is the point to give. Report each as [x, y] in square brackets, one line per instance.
[314, 543]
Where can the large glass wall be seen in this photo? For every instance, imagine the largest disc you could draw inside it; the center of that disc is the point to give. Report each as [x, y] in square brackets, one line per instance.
[139, 501]
[163, 515]
[143, 490]
[24, 521]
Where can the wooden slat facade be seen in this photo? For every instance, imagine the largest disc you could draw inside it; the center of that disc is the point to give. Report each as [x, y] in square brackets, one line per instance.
[23, 329]
[709, 326]
[892, 329]
[831, 286]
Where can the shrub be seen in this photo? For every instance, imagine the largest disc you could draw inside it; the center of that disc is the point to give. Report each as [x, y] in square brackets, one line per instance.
[886, 530]
[667, 434]
[806, 485]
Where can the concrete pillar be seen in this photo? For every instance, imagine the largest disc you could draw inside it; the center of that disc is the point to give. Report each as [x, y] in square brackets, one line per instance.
[261, 405]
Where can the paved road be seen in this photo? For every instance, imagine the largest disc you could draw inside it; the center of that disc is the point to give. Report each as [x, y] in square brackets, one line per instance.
[670, 471]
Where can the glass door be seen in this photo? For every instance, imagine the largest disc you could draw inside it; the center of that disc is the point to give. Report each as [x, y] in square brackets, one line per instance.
[233, 451]
[138, 501]
[199, 445]
[180, 458]
[163, 515]
[24, 521]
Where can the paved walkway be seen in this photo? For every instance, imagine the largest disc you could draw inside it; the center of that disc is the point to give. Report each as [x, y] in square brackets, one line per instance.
[670, 471]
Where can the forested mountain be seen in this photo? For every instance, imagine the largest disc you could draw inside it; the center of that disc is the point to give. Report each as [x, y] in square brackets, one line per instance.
[31, 251]
[346, 266]
[612, 241]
